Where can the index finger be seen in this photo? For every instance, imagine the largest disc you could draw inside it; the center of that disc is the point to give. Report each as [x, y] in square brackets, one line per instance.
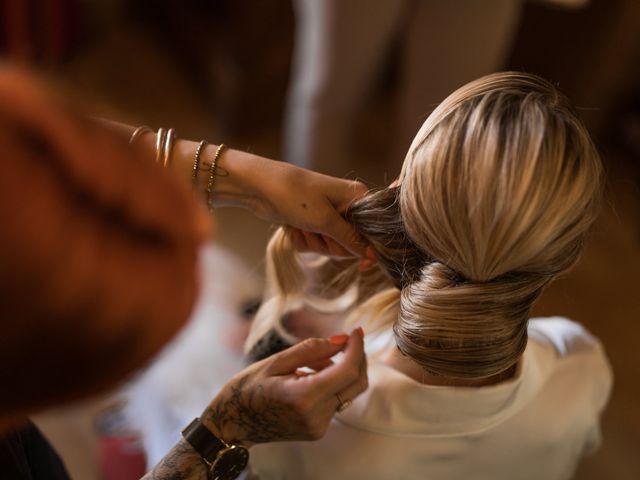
[339, 376]
[306, 353]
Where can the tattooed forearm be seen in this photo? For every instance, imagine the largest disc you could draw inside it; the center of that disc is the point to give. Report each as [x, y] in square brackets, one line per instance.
[181, 463]
[247, 414]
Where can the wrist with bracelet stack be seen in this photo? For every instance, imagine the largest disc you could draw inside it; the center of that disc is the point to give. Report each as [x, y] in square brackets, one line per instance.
[165, 140]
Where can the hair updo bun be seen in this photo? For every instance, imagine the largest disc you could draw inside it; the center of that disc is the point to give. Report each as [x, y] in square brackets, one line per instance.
[450, 325]
[500, 185]
[462, 329]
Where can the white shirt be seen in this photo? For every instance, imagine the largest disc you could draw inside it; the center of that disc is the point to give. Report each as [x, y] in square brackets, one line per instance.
[535, 426]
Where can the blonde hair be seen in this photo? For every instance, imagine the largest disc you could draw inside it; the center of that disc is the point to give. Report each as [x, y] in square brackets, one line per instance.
[497, 192]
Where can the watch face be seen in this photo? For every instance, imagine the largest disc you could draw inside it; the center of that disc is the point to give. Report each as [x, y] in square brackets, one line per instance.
[230, 463]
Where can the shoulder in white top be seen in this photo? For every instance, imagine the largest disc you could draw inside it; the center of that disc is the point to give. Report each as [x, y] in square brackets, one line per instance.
[536, 425]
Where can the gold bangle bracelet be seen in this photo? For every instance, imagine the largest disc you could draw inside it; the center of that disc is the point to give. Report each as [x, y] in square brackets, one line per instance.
[139, 132]
[160, 136]
[196, 162]
[168, 147]
[212, 175]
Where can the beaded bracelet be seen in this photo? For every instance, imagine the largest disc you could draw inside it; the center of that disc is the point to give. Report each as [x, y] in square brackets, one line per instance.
[196, 162]
[212, 175]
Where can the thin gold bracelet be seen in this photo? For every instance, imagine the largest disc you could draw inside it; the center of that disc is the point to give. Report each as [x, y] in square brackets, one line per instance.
[160, 136]
[196, 162]
[212, 175]
[168, 146]
[139, 132]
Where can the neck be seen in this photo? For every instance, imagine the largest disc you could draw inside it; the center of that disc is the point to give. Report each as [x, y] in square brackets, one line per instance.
[396, 360]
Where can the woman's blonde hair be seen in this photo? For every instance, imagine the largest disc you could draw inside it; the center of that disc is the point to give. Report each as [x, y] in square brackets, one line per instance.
[496, 194]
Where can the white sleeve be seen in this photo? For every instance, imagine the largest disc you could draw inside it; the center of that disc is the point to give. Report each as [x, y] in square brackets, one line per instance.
[570, 339]
[566, 336]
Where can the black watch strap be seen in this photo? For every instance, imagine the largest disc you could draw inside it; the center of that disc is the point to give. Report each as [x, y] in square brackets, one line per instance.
[202, 440]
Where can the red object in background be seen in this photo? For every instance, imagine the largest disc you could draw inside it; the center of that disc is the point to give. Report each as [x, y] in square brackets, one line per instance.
[120, 452]
[38, 29]
[121, 458]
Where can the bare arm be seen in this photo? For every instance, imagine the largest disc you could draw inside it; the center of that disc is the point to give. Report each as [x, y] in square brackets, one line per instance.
[274, 191]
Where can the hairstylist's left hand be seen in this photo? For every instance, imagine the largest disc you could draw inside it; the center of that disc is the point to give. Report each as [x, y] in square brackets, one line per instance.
[271, 401]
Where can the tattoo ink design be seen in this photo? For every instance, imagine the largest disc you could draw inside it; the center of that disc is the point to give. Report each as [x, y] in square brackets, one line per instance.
[251, 414]
[181, 463]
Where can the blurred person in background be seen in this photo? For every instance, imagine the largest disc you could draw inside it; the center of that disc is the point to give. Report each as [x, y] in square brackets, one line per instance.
[341, 48]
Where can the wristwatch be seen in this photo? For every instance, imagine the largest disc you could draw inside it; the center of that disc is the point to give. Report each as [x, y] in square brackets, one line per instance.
[225, 462]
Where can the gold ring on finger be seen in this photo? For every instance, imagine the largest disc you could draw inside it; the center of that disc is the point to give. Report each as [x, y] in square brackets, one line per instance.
[342, 405]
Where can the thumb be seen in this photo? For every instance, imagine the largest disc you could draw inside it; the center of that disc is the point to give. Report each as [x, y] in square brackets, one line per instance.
[312, 351]
[346, 235]
[341, 194]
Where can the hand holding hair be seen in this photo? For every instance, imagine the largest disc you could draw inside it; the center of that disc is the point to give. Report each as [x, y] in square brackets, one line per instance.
[310, 203]
[270, 401]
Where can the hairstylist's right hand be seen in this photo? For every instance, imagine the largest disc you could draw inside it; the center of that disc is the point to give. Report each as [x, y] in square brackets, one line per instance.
[310, 203]
[270, 401]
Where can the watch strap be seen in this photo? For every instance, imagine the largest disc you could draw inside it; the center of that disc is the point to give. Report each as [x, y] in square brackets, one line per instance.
[202, 440]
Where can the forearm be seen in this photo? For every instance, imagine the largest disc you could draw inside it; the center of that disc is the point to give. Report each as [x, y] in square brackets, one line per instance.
[228, 419]
[180, 462]
[277, 192]
[236, 174]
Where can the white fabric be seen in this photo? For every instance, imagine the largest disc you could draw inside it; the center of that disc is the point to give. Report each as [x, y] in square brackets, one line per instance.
[535, 426]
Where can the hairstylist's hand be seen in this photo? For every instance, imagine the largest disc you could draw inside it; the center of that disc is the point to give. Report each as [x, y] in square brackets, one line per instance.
[270, 401]
[311, 204]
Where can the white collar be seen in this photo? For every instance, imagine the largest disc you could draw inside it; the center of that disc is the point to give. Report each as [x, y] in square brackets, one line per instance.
[395, 404]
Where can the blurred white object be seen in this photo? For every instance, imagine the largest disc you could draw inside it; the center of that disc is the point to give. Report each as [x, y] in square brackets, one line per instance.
[186, 375]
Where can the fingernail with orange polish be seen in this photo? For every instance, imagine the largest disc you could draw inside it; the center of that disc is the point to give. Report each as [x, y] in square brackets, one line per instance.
[364, 265]
[339, 339]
